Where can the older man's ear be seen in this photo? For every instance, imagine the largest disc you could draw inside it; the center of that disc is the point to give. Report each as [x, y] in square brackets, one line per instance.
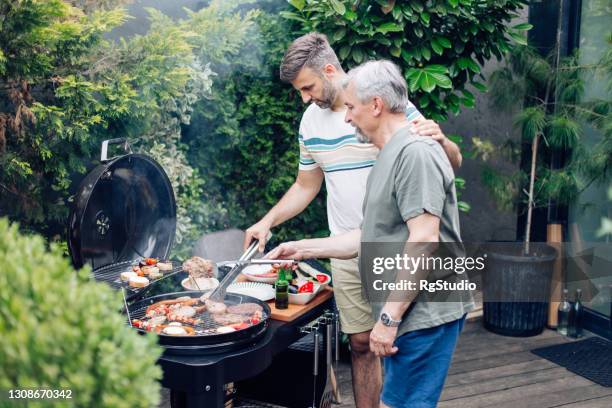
[377, 106]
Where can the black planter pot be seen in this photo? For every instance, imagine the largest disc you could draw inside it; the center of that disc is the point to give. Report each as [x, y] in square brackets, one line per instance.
[516, 288]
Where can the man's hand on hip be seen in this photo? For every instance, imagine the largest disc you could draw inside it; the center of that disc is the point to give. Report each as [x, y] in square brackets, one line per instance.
[258, 231]
[381, 340]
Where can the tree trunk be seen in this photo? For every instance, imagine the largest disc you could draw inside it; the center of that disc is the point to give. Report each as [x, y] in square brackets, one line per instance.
[530, 205]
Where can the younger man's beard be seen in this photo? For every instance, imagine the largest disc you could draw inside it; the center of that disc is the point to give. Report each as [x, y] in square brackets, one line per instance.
[329, 95]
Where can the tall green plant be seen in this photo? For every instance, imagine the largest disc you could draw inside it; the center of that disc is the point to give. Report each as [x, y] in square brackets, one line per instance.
[440, 45]
[551, 121]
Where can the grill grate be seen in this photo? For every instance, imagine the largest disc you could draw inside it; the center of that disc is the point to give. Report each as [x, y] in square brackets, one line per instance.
[111, 275]
[207, 325]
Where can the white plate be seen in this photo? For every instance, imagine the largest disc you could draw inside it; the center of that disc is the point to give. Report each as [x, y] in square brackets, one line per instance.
[251, 272]
[261, 291]
[202, 283]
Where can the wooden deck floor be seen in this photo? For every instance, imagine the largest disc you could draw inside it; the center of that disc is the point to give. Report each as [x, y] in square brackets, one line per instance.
[489, 370]
[492, 370]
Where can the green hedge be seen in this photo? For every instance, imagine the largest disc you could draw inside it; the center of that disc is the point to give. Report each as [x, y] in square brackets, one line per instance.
[59, 330]
[439, 44]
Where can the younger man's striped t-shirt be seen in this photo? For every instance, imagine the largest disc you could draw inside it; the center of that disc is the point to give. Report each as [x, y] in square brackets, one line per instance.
[328, 142]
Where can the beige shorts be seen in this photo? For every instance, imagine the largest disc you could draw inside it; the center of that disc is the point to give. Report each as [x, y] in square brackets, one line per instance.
[355, 311]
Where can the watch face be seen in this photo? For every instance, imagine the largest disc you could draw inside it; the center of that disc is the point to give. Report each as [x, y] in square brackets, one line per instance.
[384, 318]
[388, 321]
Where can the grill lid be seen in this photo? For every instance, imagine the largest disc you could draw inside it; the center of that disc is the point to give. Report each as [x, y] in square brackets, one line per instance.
[124, 209]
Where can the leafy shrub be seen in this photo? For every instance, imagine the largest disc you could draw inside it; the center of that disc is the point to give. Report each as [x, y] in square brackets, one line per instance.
[60, 330]
[439, 44]
[58, 104]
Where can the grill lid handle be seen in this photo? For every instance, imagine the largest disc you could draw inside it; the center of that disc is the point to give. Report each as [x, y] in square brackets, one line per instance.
[104, 149]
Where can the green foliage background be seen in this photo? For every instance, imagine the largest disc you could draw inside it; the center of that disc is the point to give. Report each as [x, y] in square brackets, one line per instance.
[439, 44]
[60, 330]
[202, 95]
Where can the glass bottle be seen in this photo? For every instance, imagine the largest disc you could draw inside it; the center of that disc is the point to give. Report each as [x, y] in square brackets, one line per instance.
[575, 328]
[282, 291]
[563, 314]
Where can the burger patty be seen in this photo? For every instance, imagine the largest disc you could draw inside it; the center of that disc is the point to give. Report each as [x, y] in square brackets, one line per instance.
[245, 308]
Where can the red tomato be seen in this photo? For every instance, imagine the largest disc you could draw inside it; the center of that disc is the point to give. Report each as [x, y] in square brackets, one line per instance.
[308, 287]
[255, 320]
[150, 261]
[322, 278]
[240, 326]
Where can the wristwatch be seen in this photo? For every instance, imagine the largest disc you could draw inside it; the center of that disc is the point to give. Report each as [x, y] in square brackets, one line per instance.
[388, 320]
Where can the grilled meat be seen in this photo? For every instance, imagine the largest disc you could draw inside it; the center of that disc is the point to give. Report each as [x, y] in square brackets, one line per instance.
[198, 267]
[245, 308]
[215, 307]
[229, 318]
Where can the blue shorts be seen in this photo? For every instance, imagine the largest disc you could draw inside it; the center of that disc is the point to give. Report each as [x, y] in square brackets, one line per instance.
[415, 375]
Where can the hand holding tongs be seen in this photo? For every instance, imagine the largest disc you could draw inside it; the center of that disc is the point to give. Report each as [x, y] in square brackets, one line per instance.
[219, 293]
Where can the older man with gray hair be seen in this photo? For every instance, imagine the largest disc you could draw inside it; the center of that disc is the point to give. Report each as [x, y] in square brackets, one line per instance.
[410, 197]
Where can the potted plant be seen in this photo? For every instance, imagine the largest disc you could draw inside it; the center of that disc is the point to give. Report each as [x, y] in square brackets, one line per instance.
[516, 286]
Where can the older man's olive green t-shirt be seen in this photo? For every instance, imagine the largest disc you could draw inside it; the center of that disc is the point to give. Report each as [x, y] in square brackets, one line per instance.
[412, 175]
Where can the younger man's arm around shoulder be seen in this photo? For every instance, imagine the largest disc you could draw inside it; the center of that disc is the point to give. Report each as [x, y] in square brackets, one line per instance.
[427, 127]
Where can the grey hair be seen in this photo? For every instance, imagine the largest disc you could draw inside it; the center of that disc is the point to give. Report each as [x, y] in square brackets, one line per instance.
[380, 78]
[311, 50]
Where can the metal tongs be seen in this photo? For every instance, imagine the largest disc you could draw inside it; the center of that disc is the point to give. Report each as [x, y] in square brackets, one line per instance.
[219, 293]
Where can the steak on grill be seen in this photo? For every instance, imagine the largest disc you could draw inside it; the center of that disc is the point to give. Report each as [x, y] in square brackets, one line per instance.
[229, 318]
[245, 308]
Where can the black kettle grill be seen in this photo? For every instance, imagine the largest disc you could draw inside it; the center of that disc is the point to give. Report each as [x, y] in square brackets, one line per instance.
[124, 211]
